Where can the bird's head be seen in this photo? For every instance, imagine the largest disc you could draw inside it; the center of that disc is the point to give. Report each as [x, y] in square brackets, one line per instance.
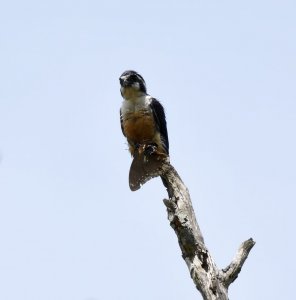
[132, 84]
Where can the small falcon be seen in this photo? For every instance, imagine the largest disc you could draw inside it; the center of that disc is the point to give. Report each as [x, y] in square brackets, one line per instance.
[143, 123]
[142, 117]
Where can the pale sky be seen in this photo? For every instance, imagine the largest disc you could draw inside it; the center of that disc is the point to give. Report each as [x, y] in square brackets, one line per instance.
[225, 72]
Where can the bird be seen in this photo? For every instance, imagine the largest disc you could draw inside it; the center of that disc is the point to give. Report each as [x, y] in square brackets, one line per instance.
[143, 123]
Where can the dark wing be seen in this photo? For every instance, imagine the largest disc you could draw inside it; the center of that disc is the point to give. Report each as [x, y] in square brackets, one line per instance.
[121, 123]
[160, 120]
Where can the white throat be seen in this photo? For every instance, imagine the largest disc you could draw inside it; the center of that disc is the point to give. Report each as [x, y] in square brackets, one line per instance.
[135, 104]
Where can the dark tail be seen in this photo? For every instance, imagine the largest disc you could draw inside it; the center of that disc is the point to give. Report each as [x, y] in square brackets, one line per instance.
[145, 167]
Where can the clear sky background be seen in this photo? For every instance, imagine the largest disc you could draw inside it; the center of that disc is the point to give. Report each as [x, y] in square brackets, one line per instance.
[70, 228]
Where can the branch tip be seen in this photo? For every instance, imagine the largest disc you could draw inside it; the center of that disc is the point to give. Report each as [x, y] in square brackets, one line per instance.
[231, 272]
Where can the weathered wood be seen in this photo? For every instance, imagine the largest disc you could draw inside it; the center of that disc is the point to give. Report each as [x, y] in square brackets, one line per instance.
[212, 282]
[231, 272]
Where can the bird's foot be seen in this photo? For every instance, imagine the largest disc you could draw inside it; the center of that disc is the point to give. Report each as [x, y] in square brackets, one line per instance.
[150, 149]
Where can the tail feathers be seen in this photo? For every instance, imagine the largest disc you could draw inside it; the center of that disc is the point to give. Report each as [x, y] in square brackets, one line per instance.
[145, 167]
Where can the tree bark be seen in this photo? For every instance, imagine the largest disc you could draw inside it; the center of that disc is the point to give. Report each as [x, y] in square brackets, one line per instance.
[212, 282]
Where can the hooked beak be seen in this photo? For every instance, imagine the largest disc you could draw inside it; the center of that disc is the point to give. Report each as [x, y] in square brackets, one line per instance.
[123, 81]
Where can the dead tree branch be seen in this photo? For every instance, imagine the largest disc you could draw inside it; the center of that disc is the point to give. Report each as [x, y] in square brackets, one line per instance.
[212, 282]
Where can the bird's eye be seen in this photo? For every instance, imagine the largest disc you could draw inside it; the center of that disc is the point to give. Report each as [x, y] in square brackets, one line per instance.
[133, 77]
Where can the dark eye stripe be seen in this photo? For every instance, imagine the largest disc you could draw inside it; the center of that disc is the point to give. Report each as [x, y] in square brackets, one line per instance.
[134, 77]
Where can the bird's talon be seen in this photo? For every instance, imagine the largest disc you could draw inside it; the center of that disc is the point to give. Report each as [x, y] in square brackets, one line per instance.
[150, 149]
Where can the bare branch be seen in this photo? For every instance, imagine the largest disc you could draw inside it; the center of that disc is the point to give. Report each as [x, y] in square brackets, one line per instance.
[231, 272]
[209, 280]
